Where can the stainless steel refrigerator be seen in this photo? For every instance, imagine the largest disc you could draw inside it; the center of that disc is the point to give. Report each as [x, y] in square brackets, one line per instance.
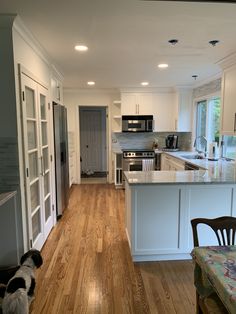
[61, 157]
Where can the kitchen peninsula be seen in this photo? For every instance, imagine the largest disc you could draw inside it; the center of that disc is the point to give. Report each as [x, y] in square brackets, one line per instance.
[161, 204]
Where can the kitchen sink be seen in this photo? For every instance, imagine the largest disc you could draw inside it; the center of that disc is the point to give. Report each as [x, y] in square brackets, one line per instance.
[195, 156]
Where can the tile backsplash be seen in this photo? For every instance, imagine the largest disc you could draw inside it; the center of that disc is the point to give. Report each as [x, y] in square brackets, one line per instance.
[122, 141]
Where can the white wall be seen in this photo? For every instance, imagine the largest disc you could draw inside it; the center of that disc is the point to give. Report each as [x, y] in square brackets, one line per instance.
[30, 56]
[75, 98]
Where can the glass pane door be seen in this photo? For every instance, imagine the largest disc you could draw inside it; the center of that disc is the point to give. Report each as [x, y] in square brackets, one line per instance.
[32, 162]
[45, 153]
[37, 152]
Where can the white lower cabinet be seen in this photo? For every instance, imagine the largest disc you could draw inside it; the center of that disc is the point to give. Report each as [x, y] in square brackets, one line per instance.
[171, 163]
[37, 160]
[118, 175]
[158, 217]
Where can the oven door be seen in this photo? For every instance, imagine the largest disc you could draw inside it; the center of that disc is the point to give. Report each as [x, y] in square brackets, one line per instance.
[130, 164]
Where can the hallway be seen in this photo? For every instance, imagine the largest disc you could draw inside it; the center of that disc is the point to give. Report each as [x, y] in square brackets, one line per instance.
[88, 268]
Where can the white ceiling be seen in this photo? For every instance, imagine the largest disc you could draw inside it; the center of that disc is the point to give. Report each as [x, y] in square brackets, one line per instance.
[128, 38]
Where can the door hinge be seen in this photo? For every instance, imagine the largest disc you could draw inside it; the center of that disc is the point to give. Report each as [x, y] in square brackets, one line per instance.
[31, 243]
[23, 96]
[107, 115]
[51, 158]
[53, 207]
[27, 172]
[49, 107]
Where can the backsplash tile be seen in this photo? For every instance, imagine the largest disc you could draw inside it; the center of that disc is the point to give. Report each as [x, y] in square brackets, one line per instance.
[122, 141]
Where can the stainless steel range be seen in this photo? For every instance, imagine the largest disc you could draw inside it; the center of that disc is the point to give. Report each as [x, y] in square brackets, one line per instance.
[138, 160]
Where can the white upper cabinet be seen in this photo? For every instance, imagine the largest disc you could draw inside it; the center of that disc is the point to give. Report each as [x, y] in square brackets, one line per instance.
[56, 90]
[228, 122]
[137, 104]
[164, 111]
[184, 110]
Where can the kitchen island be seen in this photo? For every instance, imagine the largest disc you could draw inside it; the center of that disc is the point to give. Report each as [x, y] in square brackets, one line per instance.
[160, 205]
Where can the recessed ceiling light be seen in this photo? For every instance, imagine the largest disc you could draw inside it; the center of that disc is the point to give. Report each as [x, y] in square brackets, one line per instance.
[144, 83]
[91, 83]
[173, 41]
[81, 48]
[163, 65]
[214, 42]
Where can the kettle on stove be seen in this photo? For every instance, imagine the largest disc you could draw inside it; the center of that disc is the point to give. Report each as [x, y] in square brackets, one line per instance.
[172, 141]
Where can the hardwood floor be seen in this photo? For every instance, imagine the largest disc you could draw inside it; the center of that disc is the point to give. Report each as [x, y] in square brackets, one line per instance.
[88, 268]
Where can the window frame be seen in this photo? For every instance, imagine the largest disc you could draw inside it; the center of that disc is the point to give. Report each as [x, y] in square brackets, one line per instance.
[206, 98]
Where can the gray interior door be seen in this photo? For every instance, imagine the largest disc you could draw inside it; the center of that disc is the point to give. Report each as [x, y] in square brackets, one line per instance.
[93, 139]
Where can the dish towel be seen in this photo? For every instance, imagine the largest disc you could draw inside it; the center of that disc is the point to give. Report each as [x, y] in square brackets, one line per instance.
[147, 164]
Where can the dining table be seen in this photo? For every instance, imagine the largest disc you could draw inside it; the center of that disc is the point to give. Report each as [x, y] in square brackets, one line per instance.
[215, 272]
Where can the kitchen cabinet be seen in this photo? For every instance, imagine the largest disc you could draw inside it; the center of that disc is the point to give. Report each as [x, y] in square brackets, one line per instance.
[118, 170]
[56, 90]
[164, 112]
[183, 110]
[157, 216]
[136, 104]
[228, 121]
[116, 116]
[171, 163]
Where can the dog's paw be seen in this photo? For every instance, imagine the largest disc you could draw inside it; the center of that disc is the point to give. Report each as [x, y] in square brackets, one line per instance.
[2, 290]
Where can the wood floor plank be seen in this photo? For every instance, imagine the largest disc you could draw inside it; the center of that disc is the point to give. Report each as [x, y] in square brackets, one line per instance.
[88, 267]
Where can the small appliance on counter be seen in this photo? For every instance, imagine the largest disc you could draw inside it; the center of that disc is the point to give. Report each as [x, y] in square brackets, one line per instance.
[213, 152]
[171, 143]
[137, 123]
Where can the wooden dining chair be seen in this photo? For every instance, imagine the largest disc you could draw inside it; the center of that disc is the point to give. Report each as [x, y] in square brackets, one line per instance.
[224, 229]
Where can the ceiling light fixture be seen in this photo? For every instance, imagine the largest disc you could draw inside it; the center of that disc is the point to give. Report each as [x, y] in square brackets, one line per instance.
[195, 77]
[81, 48]
[173, 41]
[214, 42]
[90, 83]
[145, 83]
[163, 65]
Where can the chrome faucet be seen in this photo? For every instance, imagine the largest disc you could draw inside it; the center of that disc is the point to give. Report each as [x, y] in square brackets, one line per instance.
[203, 141]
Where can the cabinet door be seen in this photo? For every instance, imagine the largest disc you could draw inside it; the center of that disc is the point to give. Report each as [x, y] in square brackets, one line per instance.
[165, 163]
[36, 150]
[228, 125]
[128, 104]
[136, 104]
[145, 103]
[164, 110]
[56, 88]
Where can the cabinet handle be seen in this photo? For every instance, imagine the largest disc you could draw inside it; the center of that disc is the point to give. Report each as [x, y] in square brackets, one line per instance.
[235, 122]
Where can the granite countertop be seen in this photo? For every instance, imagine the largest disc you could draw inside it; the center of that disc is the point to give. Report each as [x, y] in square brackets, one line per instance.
[4, 197]
[215, 172]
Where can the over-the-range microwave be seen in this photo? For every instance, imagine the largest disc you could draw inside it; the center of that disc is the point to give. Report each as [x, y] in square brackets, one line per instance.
[137, 123]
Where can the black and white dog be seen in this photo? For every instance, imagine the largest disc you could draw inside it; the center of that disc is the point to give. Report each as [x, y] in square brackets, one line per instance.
[20, 289]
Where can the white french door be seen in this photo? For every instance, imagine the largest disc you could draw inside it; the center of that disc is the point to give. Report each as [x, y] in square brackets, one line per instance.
[35, 114]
